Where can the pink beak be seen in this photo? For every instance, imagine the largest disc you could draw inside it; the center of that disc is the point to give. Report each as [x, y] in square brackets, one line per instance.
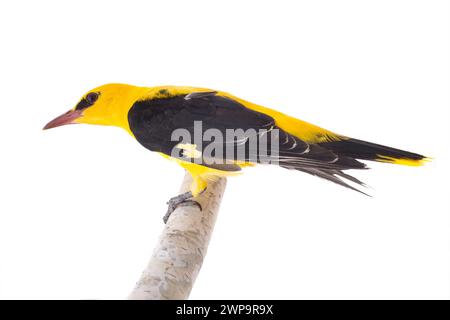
[66, 118]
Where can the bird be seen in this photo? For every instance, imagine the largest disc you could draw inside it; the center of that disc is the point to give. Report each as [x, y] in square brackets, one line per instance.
[229, 134]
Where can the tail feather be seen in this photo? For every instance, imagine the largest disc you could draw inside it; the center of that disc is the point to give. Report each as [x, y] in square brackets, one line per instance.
[334, 176]
[364, 150]
[350, 178]
[328, 160]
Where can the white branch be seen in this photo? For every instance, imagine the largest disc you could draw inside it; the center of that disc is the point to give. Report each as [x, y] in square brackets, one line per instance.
[181, 248]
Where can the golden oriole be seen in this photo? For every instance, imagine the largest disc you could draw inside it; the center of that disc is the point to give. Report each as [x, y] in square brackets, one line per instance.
[152, 115]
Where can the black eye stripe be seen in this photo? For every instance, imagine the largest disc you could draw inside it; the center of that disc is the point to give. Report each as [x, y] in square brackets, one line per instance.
[83, 104]
[87, 101]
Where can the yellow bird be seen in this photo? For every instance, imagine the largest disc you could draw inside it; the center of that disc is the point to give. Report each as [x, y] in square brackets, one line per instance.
[213, 134]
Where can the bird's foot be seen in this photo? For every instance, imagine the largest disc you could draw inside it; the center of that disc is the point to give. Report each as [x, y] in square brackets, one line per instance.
[181, 200]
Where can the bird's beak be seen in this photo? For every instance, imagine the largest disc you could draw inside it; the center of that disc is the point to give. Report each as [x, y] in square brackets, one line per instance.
[67, 118]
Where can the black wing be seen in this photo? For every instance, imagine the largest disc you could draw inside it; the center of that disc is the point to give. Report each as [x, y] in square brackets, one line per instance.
[154, 121]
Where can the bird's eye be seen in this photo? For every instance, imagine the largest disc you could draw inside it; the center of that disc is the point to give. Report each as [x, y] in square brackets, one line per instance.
[91, 97]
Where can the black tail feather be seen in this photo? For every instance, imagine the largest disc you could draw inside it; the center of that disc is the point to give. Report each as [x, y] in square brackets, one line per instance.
[334, 176]
[360, 149]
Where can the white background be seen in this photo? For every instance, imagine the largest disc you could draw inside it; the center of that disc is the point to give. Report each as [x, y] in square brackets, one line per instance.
[81, 206]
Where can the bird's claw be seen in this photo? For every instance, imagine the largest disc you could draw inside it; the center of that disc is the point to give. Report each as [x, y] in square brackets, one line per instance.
[181, 200]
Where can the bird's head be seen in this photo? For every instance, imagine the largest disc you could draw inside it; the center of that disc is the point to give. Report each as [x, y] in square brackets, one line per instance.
[105, 105]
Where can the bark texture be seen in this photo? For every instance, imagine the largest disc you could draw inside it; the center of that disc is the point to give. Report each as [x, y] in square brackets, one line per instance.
[181, 248]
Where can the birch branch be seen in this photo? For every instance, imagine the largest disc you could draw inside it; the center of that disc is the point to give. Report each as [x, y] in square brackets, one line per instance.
[181, 248]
